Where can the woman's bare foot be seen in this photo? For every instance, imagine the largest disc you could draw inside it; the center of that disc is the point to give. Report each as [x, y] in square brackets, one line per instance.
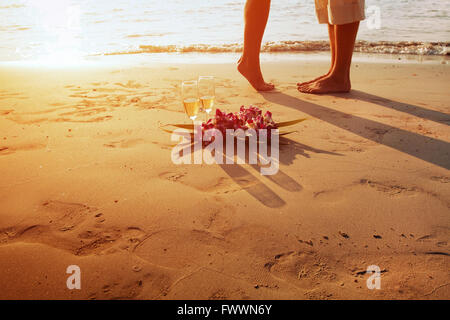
[326, 85]
[254, 76]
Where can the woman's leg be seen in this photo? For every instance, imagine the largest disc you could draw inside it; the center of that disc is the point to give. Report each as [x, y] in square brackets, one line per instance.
[339, 78]
[333, 55]
[256, 14]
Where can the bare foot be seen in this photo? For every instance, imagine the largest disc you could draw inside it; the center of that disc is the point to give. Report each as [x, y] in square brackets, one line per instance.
[254, 76]
[326, 85]
[314, 80]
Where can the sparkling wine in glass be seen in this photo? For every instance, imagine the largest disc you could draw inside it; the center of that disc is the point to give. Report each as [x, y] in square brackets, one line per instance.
[189, 93]
[207, 93]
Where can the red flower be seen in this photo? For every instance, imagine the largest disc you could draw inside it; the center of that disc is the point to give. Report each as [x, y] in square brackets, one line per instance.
[245, 118]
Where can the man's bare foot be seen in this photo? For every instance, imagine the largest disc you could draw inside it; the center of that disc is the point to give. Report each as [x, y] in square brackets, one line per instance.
[314, 80]
[326, 85]
[254, 76]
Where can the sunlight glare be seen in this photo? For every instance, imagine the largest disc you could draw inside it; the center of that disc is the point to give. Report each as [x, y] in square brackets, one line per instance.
[60, 29]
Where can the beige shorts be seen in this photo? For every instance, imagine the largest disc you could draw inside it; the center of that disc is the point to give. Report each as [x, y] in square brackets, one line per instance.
[339, 11]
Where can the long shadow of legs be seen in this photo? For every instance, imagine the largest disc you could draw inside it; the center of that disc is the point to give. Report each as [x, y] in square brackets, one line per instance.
[257, 188]
[253, 186]
[282, 180]
[399, 106]
[289, 149]
[428, 149]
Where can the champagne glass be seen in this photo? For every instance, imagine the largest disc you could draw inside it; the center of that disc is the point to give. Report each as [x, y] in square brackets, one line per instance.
[189, 93]
[207, 94]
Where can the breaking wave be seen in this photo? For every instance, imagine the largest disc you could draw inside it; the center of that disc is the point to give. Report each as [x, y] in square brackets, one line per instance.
[384, 47]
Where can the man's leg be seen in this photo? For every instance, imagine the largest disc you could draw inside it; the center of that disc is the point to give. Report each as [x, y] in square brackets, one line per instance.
[333, 55]
[256, 14]
[339, 78]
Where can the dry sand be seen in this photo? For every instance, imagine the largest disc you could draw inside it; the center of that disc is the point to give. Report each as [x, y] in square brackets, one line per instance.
[86, 178]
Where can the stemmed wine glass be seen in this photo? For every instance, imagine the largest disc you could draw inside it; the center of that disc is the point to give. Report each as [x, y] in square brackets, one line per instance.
[191, 102]
[206, 89]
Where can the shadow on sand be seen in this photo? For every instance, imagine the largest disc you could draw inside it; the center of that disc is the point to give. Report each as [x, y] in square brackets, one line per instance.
[398, 106]
[289, 149]
[428, 149]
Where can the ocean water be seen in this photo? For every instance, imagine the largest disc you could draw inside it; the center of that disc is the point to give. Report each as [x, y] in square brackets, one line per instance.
[60, 29]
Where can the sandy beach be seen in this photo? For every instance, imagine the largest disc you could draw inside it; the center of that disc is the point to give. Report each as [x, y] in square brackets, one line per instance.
[86, 179]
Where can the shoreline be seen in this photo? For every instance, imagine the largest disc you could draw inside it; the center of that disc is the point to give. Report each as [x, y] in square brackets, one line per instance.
[152, 59]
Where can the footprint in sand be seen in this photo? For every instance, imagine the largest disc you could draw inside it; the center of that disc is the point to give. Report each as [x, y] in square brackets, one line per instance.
[225, 83]
[101, 98]
[302, 269]
[392, 189]
[6, 112]
[84, 113]
[131, 84]
[180, 248]
[5, 150]
[96, 119]
[12, 95]
[75, 227]
[89, 95]
[54, 217]
[441, 179]
[164, 146]
[21, 146]
[131, 286]
[124, 143]
[91, 107]
[109, 240]
[212, 182]
[172, 176]
[389, 188]
[99, 83]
